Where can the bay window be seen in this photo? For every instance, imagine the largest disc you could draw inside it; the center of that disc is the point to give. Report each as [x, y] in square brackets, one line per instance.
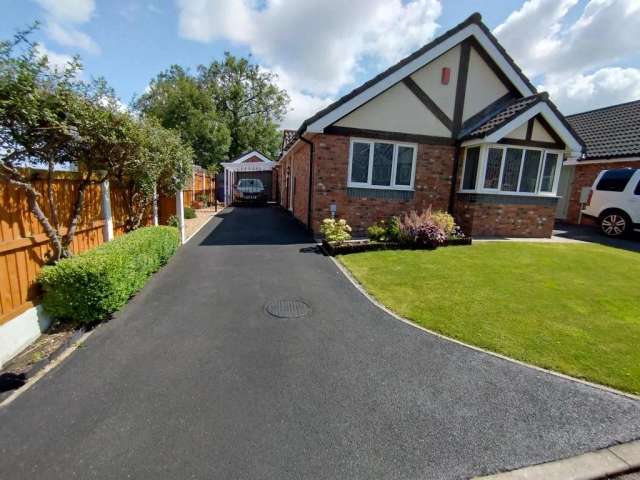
[510, 170]
[382, 164]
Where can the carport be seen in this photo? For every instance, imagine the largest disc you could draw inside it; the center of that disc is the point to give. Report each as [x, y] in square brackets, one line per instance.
[248, 165]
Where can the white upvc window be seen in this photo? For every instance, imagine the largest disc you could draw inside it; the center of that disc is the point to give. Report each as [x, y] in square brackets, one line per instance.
[510, 170]
[382, 164]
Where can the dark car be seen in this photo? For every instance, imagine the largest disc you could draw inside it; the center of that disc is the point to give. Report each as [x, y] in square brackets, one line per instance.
[250, 190]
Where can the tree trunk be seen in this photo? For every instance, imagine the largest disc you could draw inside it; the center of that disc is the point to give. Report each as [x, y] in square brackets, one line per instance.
[52, 233]
[52, 205]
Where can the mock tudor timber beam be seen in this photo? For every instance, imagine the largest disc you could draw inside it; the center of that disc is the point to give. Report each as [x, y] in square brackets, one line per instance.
[428, 102]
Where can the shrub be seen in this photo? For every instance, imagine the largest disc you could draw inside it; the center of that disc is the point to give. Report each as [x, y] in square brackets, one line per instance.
[202, 198]
[393, 229]
[93, 284]
[172, 221]
[377, 232]
[189, 213]
[335, 231]
[421, 229]
[444, 220]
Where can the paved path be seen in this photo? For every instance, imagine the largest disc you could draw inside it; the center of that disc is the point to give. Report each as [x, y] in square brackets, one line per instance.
[194, 380]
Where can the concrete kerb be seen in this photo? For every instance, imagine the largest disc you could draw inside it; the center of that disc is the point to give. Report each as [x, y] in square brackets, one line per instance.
[614, 460]
[50, 366]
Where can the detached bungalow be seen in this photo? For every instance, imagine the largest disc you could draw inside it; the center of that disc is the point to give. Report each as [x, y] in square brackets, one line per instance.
[612, 138]
[456, 125]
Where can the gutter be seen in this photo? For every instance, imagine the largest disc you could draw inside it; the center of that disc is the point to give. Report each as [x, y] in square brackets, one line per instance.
[310, 181]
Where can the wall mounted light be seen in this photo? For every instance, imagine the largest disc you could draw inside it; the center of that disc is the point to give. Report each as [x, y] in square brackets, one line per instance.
[333, 208]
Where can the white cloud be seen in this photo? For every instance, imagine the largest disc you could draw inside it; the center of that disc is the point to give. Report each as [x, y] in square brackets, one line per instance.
[303, 105]
[75, 11]
[319, 44]
[576, 61]
[71, 37]
[62, 15]
[58, 61]
[607, 86]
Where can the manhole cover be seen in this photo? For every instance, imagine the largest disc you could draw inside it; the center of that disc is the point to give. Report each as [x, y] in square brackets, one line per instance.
[287, 308]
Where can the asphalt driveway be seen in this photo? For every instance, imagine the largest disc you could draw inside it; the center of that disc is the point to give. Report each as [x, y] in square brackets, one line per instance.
[193, 379]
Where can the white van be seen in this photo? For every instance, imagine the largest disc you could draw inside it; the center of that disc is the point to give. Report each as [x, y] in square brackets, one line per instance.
[615, 201]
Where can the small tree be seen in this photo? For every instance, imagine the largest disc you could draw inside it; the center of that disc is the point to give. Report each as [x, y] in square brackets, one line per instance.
[45, 118]
[162, 164]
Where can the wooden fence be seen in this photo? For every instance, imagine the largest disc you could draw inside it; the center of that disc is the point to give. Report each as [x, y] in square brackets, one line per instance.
[25, 248]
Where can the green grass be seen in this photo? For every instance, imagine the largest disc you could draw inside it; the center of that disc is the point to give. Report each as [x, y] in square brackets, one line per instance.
[573, 308]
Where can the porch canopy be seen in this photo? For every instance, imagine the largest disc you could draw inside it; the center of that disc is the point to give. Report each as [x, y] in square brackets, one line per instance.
[248, 162]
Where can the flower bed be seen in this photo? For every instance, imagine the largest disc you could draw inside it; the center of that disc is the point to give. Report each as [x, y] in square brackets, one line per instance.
[358, 246]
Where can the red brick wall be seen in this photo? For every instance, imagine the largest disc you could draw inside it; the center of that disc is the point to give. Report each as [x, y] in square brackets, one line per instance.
[295, 165]
[584, 176]
[432, 183]
[505, 220]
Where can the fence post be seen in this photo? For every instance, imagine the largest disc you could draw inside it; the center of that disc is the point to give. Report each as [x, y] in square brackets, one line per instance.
[105, 193]
[155, 206]
[180, 213]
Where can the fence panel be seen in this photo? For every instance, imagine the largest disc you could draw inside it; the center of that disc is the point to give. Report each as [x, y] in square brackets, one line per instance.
[24, 247]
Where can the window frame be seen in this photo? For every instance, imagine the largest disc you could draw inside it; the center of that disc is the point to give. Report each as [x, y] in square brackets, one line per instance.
[482, 170]
[394, 164]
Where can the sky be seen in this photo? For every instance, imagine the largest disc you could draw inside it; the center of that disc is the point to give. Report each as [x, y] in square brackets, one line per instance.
[585, 53]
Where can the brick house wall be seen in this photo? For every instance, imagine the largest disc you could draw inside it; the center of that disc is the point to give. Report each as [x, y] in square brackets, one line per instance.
[363, 207]
[584, 176]
[478, 215]
[293, 169]
[494, 215]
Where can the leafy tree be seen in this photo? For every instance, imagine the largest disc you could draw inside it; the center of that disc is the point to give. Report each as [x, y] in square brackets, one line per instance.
[44, 113]
[250, 100]
[177, 100]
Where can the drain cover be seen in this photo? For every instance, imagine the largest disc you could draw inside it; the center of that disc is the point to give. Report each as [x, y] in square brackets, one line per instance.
[287, 308]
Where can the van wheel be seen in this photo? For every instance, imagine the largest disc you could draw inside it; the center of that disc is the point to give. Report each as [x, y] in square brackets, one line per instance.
[614, 223]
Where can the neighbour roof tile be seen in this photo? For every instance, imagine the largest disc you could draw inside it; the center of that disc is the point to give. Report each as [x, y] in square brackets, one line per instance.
[610, 132]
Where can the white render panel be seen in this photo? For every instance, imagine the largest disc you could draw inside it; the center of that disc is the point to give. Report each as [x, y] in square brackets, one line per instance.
[396, 110]
[483, 86]
[19, 332]
[429, 79]
[540, 133]
[519, 133]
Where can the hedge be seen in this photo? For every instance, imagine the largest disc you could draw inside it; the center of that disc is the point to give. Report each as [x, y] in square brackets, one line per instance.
[88, 287]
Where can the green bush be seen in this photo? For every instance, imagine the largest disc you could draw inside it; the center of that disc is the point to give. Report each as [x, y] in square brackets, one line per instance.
[173, 221]
[444, 220]
[90, 286]
[189, 213]
[393, 229]
[335, 231]
[377, 232]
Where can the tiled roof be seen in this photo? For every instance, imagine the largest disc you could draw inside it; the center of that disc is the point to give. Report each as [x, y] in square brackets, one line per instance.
[610, 132]
[494, 120]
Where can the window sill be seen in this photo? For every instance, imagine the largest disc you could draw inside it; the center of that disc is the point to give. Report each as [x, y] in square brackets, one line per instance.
[381, 193]
[507, 199]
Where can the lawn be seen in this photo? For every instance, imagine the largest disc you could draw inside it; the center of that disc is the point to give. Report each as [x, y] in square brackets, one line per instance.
[573, 308]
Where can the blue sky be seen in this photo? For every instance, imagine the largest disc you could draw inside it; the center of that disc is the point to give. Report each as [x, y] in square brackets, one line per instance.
[583, 51]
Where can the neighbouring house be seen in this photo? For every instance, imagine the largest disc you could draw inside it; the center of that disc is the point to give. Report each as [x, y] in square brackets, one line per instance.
[612, 138]
[455, 125]
[253, 164]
